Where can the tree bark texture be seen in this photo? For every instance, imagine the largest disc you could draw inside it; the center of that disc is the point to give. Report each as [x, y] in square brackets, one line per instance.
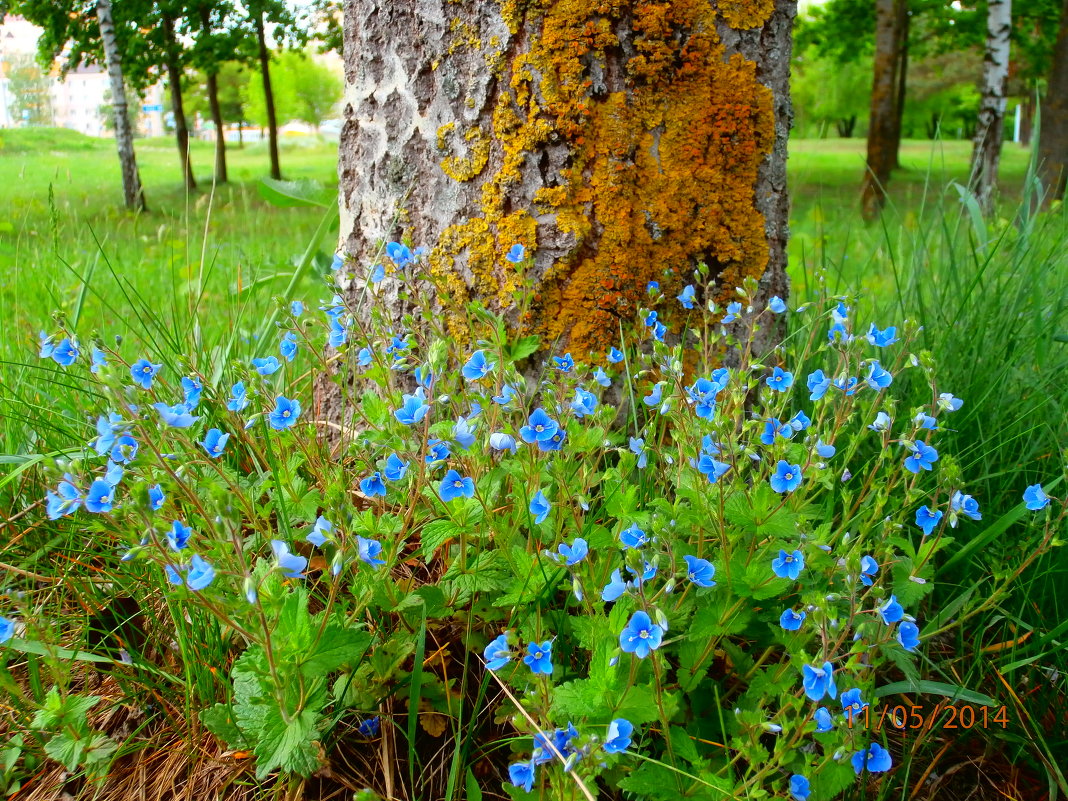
[986, 153]
[620, 143]
[881, 146]
[1053, 125]
[132, 190]
[268, 96]
[216, 110]
[174, 78]
[901, 76]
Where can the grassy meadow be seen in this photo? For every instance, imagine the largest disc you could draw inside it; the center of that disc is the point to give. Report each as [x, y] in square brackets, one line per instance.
[991, 294]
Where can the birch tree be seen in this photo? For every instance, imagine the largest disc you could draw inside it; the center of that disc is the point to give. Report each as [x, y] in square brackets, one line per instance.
[990, 129]
[131, 179]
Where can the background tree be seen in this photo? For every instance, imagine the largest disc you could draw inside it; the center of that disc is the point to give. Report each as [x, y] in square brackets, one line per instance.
[1053, 136]
[174, 58]
[31, 91]
[231, 81]
[830, 96]
[991, 121]
[884, 124]
[303, 90]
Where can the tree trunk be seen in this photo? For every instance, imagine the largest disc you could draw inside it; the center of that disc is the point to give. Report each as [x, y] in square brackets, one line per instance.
[991, 122]
[131, 179]
[619, 143]
[881, 145]
[901, 68]
[1027, 117]
[174, 78]
[216, 110]
[1053, 129]
[272, 122]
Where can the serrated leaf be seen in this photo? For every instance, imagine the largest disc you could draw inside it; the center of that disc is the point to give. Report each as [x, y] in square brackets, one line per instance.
[288, 745]
[219, 720]
[522, 348]
[682, 745]
[434, 534]
[338, 646]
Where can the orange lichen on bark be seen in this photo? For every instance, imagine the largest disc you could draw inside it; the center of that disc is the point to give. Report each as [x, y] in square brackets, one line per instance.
[662, 169]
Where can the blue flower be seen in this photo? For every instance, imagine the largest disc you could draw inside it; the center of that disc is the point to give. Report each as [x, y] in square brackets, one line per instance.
[1035, 498]
[238, 398]
[515, 254]
[564, 363]
[601, 377]
[539, 507]
[818, 384]
[99, 360]
[891, 611]
[521, 774]
[818, 681]
[686, 296]
[799, 422]
[773, 427]
[463, 433]
[507, 393]
[574, 553]
[296, 308]
[927, 519]
[617, 739]
[200, 574]
[456, 486]
[369, 550]
[852, 703]
[477, 367]
[637, 447]
[155, 497]
[395, 468]
[503, 442]
[291, 565]
[285, 413]
[926, 422]
[780, 380]
[788, 565]
[825, 451]
[652, 286]
[106, 431]
[7, 629]
[640, 636]
[615, 355]
[288, 346]
[320, 531]
[799, 787]
[497, 653]
[614, 588]
[776, 305]
[214, 442]
[923, 456]
[65, 500]
[882, 422]
[378, 274]
[539, 427]
[113, 474]
[193, 389]
[822, 716]
[124, 450]
[100, 497]
[791, 620]
[733, 310]
[413, 408]
[143, 371]
[965, 505]
[881, 339]
[868, 568]
[948, 403]
[337, 262]
[846, 385]
[339, 335]
[437, 451]
[65, 353]
[874, 759]
[878, 378]
[178, 536]
[713, 469]
[787, 477]
[654, 398]
[539, 657]
[266, 366]
[373, 485]
[634, 537]
[700, 571]
[369, 727]
[908, 634]
[400, 254]
[175, 416]
[364, 357]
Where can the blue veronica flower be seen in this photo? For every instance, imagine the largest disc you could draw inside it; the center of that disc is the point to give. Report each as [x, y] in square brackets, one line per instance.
[651, 287]
[882, 339]
[878, 378]
[238, 397]
[369, 550]
[175, 416]
[539, 427]
[395, 468]
[659, 329]
[285, 413]
[891, 611]
[617, 739]
[772, 428]
[926, 422]
[364, 357]
[908, 634]
[539, 657]
[172, 575]
[584, 404]
[634, 537]
[192, 388]
[780, 380]
[7, 629]
[800, 421]
[601, 377]
[288, 346]
[296, 308]
[413, 408]
[852, 703]
[699, 571]
[507, 393]
[65, 353]
[868, 568]
[846, 385]
[178, 536]
[463, 433]
[400, 254]
[373, 485]
[615, 587]
[1034, 498]
[337, 262]
[787, 477]
[540, 507]
[200, 574]
[838, 333]
[823, 719]
[100, 497]
[339, 335]
[966, 505]
[99, 360]
[564, 363]
[370, 727]
[776, 305]
[378, 274]
[824, 450]
[687, 296]
[156, 498]
[874, 759]
[437, 451]
[948, 403]
[654, 398]
[113, 474]
[799, 787]
[927, 519]
[291, 564]
[615, 355]
[819, 681]
[267, 365]
[791, 620]
[106, 431]
[637, 447]
[882, 422]
[65, 500]
[143, 371]
[712, 468]
[733, 310]
[454, 486]
[320, 532]
[575, 552]
[521, 774]
[124, 450]
[214, 442]
[818, 384]
[48, 345]
[477, 366]
[923, 457]
[497, 653]
[640, 636]
[516, 253]
[500, 441]
[788, 565]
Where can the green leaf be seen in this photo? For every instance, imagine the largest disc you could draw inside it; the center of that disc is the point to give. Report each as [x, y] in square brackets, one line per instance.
[682, 745]
[338, 646]
[288, 194]
[474, 792]
[219, 720]
[290, 745]
[522, 348]
[924, 687]
[652, 780]
[434, 534]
